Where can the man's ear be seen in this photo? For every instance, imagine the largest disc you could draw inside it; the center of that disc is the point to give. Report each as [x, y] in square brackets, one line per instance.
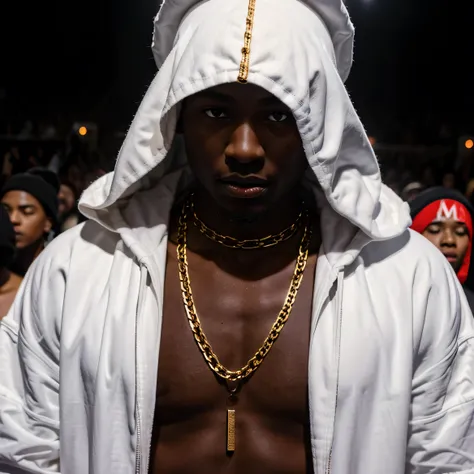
[48, 225]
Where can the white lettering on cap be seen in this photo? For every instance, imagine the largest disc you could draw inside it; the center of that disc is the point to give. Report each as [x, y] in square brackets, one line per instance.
[444, 213]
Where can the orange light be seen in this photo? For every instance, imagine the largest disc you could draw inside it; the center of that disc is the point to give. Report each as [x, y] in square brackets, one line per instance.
[83, 131]
[372, 140]
[469, 144]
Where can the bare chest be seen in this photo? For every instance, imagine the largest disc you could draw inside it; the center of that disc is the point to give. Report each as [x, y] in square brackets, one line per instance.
[236, 316]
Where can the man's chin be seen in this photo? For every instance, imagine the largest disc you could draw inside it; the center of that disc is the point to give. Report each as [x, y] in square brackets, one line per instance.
[245, 211]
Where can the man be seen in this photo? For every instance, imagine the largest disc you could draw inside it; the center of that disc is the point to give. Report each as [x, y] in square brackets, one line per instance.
[136, 353]
[32, 203]
[444, 217]
[68, 215]
[9, 281]
[411, 191]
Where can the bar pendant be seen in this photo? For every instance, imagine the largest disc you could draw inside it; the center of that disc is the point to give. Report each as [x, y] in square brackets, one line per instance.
[230, 431]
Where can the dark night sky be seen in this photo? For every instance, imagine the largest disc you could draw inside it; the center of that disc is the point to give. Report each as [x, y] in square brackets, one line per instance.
[413, 58]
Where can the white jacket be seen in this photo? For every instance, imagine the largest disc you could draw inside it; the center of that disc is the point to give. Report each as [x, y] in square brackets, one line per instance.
[391, 361]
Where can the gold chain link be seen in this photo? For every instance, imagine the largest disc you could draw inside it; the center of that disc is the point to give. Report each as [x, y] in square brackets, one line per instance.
[251, 244]
[193, 319]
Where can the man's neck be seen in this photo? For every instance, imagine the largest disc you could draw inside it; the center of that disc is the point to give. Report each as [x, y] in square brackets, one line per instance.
[26, 256]
[272, 221]
[5, 275]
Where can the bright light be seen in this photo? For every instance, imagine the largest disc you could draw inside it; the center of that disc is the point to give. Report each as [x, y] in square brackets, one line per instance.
[372, 140]
[83, 131]
[469, 144]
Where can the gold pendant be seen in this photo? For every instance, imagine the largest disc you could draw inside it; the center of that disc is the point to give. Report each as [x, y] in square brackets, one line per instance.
[230, 431]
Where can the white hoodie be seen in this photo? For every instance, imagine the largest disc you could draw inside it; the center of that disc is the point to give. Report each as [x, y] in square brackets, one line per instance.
[391, 362]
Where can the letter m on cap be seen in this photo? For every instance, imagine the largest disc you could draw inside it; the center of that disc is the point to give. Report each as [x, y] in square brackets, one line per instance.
[445, 213]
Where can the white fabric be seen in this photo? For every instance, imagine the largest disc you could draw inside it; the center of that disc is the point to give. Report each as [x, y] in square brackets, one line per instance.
[391, 363]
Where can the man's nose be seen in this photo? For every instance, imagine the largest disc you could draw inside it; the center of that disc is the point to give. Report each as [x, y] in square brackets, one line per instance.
[244, 150]
[448, 239]
[15, 217]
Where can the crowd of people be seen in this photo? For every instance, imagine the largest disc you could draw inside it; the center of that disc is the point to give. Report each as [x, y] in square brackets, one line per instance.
[41, 182]
[37, 173]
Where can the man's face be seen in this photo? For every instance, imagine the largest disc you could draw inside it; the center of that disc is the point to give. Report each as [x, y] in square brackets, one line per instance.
[28, 217]
[452, 238]
[66, 199]
[243, 146]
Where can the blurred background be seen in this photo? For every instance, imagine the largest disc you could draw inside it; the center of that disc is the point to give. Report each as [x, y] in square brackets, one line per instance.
[73, 74]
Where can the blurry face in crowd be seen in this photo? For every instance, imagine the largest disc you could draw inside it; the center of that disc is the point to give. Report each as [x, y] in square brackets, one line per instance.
[28, 217]
[452, 238]
[66, 199]
[449, 181]
[243, 146]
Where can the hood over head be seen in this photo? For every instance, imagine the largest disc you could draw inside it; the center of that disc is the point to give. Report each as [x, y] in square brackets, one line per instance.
[199, 44]
[436, 204]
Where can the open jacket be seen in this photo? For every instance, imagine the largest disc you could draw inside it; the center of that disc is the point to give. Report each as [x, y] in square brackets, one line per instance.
[391, 358]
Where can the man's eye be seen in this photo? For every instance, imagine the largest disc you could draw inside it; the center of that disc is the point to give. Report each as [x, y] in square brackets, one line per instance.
[215, 113]
[433, 229]
[277, 117]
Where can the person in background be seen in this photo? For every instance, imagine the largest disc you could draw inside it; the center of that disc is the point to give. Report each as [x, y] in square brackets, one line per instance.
[411, 190]
[68, 214]
[429, 177]
[470, 189]
[9, 281]
[445, 218]
[31, 200]
[449, 180]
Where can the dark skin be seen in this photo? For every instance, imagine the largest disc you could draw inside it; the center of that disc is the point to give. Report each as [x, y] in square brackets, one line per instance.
[9, 286]
[238, 294]
[30, 223]
[452, 238]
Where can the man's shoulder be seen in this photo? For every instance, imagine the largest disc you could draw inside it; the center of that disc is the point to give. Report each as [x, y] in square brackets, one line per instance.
[88, 240]
[407, 252]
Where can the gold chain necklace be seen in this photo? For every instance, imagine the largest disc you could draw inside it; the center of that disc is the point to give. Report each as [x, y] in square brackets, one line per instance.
[251, 244]
[210, 357]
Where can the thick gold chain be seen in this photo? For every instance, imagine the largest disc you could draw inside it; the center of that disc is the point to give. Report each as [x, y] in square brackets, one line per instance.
[193, 319]
[251, 244]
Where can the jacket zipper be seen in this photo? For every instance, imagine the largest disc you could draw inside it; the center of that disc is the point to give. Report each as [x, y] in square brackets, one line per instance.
[338, 360]
[138, 456]
[138, 453]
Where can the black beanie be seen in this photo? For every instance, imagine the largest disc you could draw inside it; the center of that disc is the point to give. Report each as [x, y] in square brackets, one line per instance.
[7, 239]
[41, 184]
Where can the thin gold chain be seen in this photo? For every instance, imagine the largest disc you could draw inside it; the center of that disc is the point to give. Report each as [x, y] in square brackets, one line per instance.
[195, 324]
[251, 244]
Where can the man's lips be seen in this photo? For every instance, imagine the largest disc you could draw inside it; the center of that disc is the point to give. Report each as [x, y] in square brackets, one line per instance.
[245, 187]
[451, 257]
[245, 181]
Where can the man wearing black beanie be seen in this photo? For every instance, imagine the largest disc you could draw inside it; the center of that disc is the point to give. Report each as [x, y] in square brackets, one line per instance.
[9, 281]
[32, 204]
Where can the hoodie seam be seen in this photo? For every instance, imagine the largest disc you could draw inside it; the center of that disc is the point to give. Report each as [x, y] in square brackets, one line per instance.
[454, 351]
[31, 414]
[440, 414]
